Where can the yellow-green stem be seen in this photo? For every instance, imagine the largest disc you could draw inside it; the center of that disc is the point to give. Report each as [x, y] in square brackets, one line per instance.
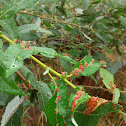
[41, 64]
[9, 40]
[70, 75]
[69, 83]
[44, 66]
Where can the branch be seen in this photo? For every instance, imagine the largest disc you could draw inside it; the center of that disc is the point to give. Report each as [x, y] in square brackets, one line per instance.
[41, 64]
[43, 17]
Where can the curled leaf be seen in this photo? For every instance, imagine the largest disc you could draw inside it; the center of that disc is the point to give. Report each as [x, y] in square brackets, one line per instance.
[47, 70]
[93, 104]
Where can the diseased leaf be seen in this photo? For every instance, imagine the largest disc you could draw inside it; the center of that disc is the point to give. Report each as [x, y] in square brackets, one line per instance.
[107, 77]
[90, 66]
[63, 93]
[76, 99]
[116, 95]
[50, 111]
[108, 80]
[11, 109]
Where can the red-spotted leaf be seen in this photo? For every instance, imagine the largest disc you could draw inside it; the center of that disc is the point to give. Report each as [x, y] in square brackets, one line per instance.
[86, 67]
[116, 95]
[52, 112]
[107, 78]
[62, 96]
[76, 99]
[108, 81]
[55, 108]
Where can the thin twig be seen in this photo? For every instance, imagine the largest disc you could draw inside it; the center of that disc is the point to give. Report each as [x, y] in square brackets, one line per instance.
[55, 20]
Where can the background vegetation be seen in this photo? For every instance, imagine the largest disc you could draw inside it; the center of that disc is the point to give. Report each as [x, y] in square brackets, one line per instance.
[73, 28]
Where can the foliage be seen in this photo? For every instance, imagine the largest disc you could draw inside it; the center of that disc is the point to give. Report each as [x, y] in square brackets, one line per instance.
[81, 29]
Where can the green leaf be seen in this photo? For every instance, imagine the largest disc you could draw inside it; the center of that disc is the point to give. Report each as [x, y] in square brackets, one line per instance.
[46, 23]
[51, 113]
[44, 94]
[85, 4]
[107, 77]
[93, 119]
[13, 6]
[124, 115]
[15, 119]
[29, 76]
[1, 44]
[47, 52]
[123, 20]
[32, 27]
[107, 50]
[29, 36]
[70, 60]
[113, 68]
[65, 64]
[11, 109]
[1, 51]
[10, 28]
[119, 3]
[123, 96]
[10, 60]
[8, 85]
[3, 98]
[116, 95]
[25, 53]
